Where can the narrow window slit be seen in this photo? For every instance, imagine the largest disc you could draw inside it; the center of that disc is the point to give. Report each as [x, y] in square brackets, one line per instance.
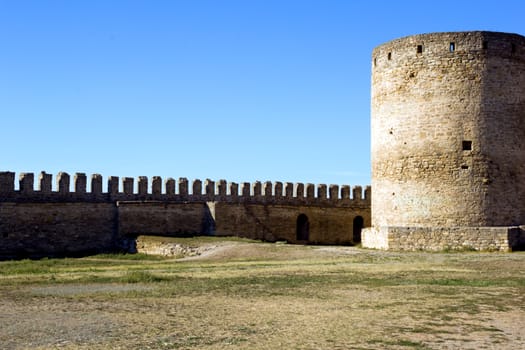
[452, 47]
[420, 49]
[389, 56]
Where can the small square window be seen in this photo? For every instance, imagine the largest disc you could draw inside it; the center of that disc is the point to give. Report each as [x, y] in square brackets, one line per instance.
[467, 145]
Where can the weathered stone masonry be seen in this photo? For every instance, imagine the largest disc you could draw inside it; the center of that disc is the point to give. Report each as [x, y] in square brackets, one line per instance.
[448, 152]
[43, 221]
[448, 171]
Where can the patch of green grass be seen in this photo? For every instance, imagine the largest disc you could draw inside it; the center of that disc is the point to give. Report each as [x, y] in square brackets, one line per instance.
[431, 328]
[41, 266]
[401, 342]
[132, 276]
[142, 277]
[464, 282]
[54, 265]
[245, 286]
[126, 256]
[463, 249]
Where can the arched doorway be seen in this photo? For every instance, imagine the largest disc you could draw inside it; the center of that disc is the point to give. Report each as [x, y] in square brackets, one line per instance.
[302, 228]
[357, 227]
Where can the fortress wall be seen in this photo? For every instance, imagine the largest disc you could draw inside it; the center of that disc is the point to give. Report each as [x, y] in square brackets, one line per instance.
[145, 189]
[39, 219]
[443, 238]
[163, 219]
[274, 222]
[43, 229]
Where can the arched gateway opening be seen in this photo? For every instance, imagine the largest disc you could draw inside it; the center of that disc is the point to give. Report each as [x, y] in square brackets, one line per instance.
[302, 228]
[357, 227]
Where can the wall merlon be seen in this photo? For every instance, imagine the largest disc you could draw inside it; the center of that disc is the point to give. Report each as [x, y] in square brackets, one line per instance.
[246, 190]
[222, 188]
[210, 189]
[63, 182]
[45, 182]
[345, 192]
[334, 192]
[299, 190]
[288, 190]
[357, 192]
[7, 182]
[26, 183]
[197, 188]
[310, 191]
[234, 190]
[278, 188]
[170, 186]
[257, 189]
[96, 184]
[268, 189]
[143, 185]
[80, 181]
[368, 193]
[183, 188]
[127, 185]
[113, 184]
[321, 191]
[156, 186]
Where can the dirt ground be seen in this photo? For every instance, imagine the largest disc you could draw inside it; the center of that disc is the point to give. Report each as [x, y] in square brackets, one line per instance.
[242, 295]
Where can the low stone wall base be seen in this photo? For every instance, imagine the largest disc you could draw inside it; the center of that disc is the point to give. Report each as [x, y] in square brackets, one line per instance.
[444, 238]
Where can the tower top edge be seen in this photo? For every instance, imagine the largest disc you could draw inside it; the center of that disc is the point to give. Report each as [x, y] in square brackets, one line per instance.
[434, 36]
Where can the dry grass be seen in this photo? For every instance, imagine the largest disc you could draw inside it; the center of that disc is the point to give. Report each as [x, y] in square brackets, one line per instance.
[244, 295]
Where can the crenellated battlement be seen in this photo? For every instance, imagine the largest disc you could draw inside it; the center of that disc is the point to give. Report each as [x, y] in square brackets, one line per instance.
[171, 190]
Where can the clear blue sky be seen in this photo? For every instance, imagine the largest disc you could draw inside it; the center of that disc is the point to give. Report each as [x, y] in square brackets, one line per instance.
[237, 90]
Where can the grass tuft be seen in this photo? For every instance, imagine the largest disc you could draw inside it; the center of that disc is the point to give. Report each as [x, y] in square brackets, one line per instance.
[142, 277]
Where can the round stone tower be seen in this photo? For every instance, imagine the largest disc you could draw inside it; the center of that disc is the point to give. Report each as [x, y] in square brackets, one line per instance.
[448, 141]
